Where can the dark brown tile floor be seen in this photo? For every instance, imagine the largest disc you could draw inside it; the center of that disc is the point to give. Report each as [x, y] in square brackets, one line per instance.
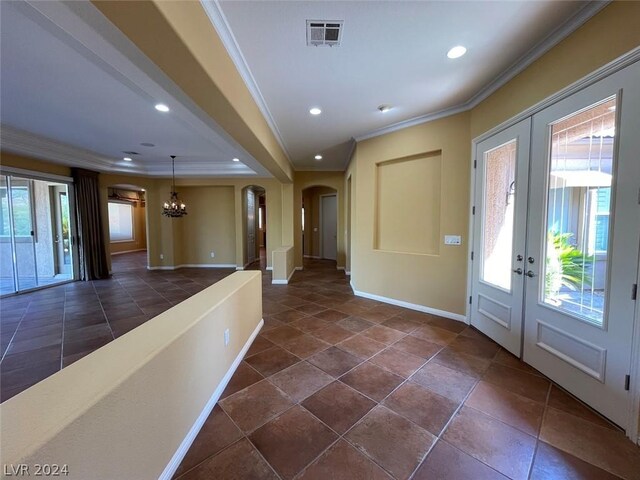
[44, 331]
[337, 386]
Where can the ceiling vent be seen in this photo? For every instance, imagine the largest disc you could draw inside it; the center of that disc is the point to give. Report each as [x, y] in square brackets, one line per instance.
[324, 32]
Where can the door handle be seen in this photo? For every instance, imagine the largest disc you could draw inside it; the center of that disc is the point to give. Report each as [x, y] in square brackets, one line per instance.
[518, 271]
[530, 274]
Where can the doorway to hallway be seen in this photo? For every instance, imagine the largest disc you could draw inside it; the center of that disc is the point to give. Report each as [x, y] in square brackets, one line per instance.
[319, 223]
[254, 206]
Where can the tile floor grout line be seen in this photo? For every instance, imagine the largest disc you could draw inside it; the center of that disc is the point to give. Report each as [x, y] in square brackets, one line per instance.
[64, 318]
[104, 313]
[4, 354]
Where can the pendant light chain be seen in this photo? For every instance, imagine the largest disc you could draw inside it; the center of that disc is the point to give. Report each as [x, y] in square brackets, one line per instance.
[174, 207]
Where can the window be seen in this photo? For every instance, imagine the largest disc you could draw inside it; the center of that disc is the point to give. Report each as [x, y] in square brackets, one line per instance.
[21, 198]
[120, 222]
[599, 219]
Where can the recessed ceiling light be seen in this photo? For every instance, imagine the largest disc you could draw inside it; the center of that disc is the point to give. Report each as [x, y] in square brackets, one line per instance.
[161, 107]
[127, 159]
[147, 144]
[315, 111]
[318, 157]
[384, 108]
[456, 52]
[236, 159]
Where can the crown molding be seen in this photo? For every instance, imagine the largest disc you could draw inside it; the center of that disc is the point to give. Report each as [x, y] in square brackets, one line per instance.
[542, 47]
[25, 143]
[219, 21]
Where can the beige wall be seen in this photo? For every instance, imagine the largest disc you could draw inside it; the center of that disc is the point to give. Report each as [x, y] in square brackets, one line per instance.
[435, 280]
[608, 35]
[283, 264]
[275, 195]
[19, 161]
[209, 226]
[311, 234]
[123, 411]
[304, 180]
[439, 281]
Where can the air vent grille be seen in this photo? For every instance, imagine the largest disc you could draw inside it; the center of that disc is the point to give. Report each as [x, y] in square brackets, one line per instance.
[324, 32]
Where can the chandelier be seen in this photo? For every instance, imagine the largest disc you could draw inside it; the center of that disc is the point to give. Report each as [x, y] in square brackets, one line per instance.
[174, 207]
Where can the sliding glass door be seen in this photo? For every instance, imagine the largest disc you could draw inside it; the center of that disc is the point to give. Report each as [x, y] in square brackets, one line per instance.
[36, 233]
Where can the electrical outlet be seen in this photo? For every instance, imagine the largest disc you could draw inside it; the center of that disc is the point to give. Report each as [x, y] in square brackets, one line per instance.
[162, 256]
[213, 255]
[452, 240]
[226, 337]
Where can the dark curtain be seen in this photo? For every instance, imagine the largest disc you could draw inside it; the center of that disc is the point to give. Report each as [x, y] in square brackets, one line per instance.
[93, 252]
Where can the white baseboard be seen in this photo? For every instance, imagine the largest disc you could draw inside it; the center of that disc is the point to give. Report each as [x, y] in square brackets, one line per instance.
[207, 265]
[412, 306]
[177, 458]
[284, 282]
[312, 256]
[299, 268]
[347, 272]
[239, 268]
[195, 265]
[269, 268]
[129, 251]
[340, 267]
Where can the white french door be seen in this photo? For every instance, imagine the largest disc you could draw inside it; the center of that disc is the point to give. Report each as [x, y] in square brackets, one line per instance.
[502, 164]
[583, 237]
[555, 267]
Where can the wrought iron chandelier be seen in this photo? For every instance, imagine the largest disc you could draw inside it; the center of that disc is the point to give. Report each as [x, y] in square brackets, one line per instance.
[174, 207]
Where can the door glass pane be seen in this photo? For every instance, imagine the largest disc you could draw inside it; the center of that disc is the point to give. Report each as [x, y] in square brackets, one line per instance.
[578, 209]
[7, 284]
[21, 199]
[498, 213]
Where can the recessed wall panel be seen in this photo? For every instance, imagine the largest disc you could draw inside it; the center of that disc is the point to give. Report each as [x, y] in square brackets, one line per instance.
[408, 198]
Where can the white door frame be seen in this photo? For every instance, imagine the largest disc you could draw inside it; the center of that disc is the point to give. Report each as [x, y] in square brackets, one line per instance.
[631, 428]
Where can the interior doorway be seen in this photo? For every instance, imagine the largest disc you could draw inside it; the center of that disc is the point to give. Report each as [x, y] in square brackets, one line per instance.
[319, 222]
[556, 238]
[127, 214]
[254, 204]
[37, 232]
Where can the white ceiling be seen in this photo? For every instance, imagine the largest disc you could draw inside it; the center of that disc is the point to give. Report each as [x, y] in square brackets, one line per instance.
[392, 52]
[74, 90]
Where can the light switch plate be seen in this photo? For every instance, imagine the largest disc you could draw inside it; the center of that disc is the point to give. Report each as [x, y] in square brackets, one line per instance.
[452, 240]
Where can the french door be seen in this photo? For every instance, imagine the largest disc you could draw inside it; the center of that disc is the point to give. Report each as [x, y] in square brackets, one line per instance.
[573, 273]
[583, 238]
[502, 164]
